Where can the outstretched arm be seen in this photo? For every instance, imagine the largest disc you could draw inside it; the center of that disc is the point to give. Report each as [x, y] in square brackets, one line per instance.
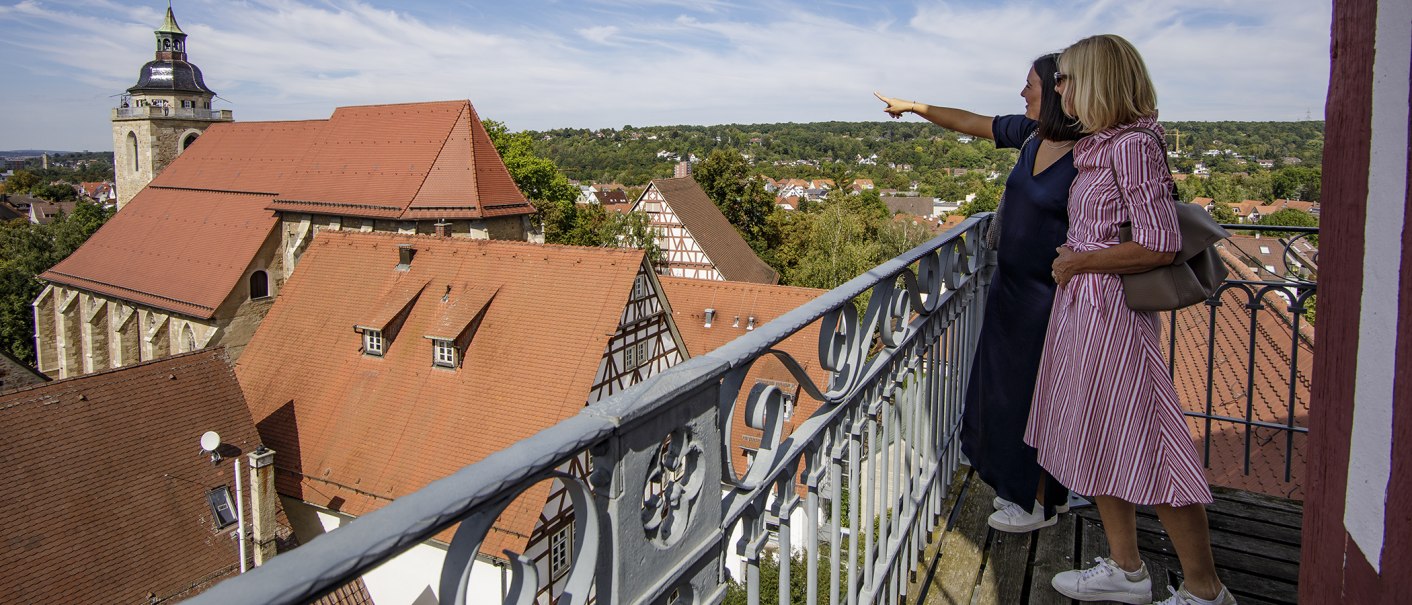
[950, 118]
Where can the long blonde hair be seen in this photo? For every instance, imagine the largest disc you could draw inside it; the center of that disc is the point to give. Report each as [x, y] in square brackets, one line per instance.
[1107, 83]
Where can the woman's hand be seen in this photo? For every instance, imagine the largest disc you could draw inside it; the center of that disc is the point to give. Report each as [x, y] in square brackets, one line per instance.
[1066, 266]
[895, 107]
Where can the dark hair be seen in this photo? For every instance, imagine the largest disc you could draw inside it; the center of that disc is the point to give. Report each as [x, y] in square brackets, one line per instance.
[1053, 124]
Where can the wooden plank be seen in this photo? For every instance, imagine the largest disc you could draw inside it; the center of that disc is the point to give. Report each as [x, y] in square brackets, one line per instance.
[1256, 531]
[1003, 579]
[1225, 494]
[1256, 513]
[1159, 546]
[1053, 553]
[1236, 542]
[962, 549]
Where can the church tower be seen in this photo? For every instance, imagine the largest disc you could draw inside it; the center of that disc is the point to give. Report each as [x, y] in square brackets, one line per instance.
[168, 108]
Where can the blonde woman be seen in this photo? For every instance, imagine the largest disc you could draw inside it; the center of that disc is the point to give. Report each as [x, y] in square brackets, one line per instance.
[1105, 419]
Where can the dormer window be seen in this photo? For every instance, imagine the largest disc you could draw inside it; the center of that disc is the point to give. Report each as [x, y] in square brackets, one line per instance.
[443, 353]
[372, 342]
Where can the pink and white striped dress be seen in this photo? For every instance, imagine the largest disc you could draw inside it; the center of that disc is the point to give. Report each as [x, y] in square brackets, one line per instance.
[1106, 419]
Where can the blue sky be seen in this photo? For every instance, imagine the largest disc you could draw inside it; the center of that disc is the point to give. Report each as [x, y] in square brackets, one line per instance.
[539, 64]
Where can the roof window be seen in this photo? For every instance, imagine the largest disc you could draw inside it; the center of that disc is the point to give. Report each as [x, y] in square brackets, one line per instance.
[221, 510]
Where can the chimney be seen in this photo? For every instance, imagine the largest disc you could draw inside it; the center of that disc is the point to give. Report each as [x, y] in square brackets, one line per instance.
[443, 228]
[405, 252]
[710, 315]
[262, 503]
[751, 325]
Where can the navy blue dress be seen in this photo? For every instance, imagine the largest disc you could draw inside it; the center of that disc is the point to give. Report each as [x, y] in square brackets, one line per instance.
[1036, 221]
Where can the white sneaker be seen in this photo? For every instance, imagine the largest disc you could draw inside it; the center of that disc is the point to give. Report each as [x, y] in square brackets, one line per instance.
[1013, 519]
[1000, 503]
[1105, 582]
[1181, 597]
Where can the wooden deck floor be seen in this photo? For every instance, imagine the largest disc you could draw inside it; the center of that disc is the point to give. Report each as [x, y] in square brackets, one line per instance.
[1255, 539]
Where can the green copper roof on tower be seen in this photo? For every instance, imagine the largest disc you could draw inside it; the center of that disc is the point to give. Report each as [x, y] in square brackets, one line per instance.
[170, 25]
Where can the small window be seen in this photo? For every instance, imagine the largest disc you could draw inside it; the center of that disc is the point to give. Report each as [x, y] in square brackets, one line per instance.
[1264, 249]
[372, 342]
[641, 352]
[629, 357]
[132, 150]
[561, 552]
[222, 512]
[444, 353]
[639, 287]
[259, 285]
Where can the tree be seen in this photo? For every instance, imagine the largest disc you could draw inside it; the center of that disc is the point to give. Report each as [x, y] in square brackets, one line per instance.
[26, 250]
[54, 192]
[21, 182]
[1296, 183]
[1290, 217]
[563, 220]
[1223, 213]
[725, 177]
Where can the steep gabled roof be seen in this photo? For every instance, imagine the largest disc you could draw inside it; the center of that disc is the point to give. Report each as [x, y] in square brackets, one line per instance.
[363, 429]
[728, 251]
[183, 243]
[107, 489]
[179, 250]
[410, 161]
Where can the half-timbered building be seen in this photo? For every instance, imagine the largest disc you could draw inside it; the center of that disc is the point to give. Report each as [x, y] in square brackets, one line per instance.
[390, 361]
[696, 239]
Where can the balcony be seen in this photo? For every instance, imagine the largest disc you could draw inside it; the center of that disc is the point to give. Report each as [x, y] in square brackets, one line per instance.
[881, 451]
[184, 113]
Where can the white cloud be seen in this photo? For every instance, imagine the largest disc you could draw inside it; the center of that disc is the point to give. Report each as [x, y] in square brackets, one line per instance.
[602, 34]
[659, 61]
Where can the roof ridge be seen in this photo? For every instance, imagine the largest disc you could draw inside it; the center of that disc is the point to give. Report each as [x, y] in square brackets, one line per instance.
[431, 237]
[214, 351]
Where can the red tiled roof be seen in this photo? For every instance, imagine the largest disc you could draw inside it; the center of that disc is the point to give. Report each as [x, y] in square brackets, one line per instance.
[690, 298]
[108, 488]
[727, 250]
[174, 249]
[249, 157]
[363, 430]
[410, 161]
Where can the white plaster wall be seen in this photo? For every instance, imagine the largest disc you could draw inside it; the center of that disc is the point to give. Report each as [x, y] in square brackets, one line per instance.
[411, 578]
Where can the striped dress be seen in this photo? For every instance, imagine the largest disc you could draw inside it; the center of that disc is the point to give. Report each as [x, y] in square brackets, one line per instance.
[1105, 418]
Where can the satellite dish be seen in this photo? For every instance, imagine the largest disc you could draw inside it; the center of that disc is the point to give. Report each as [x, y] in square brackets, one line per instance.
[210, 440]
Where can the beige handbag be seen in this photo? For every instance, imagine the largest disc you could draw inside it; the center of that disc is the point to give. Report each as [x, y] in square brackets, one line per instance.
[1196, 272]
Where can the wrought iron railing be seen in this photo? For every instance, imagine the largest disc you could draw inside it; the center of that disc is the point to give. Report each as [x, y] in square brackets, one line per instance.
[194, 113]
[865, 476]
[649, 526]
[1256, 381]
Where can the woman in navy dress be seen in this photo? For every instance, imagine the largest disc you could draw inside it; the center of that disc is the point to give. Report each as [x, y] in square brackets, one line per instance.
[1034, 222]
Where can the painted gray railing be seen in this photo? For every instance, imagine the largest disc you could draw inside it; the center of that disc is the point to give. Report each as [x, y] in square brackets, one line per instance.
[649, 527]
[194, 113]
[1286, 296]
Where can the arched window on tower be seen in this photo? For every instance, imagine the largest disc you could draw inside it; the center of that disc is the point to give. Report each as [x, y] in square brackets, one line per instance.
[188, 338]
[187, 140]
[259, 285]
[132, 150]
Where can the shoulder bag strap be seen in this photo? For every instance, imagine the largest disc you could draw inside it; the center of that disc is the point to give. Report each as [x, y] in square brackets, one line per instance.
[992, 233]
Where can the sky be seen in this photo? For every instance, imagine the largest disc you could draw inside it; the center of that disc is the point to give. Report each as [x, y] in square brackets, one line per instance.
[542, 64]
